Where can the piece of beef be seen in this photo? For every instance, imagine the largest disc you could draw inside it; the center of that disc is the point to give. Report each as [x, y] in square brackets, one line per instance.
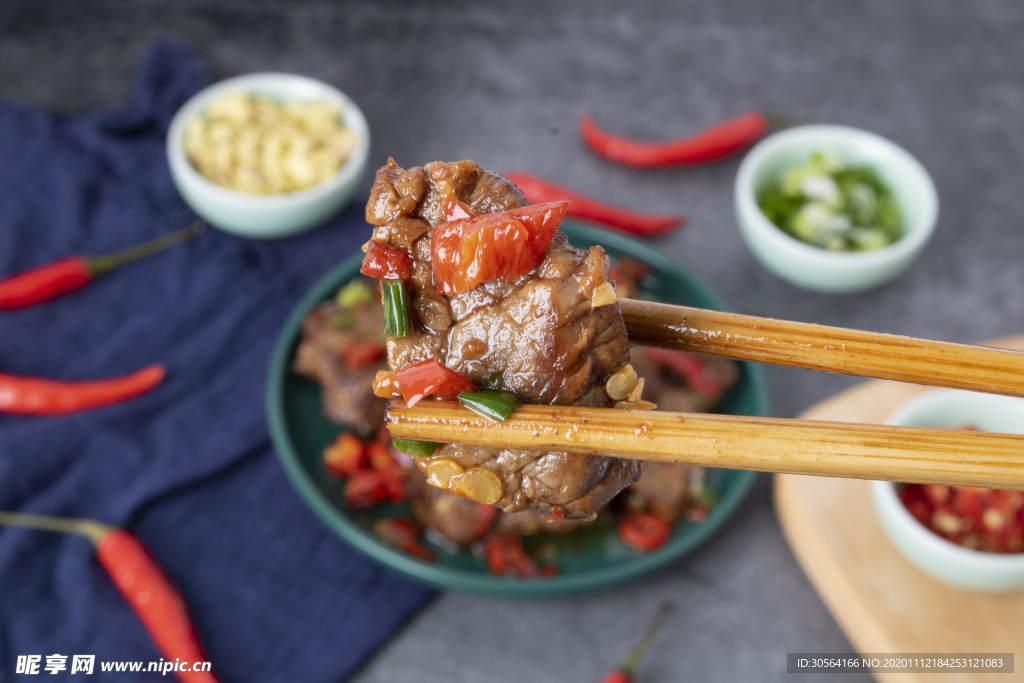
[347, 391]
[540, 334]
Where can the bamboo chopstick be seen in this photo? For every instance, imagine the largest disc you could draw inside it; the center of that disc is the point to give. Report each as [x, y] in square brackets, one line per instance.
[834, 449]
[832, 349]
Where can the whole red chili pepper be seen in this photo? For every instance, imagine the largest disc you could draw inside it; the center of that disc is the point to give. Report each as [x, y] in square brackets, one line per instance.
[624, 674]
[151, 595]
[711, 144]
[37, 396]
[539, 190]
[75, 272]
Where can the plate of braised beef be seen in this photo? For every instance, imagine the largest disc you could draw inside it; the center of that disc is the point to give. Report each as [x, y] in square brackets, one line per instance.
[495, 302]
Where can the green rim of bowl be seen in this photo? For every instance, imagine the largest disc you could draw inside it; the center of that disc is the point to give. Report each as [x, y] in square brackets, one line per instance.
[685, 538]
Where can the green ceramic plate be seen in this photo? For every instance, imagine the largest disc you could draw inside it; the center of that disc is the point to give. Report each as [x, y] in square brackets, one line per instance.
[592, 558]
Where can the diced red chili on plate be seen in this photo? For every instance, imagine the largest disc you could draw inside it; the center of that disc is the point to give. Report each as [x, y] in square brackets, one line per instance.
[505, 245]
[430, 378]
[346, 456]
[386, 263]
[643, 531]
[362, 354]
[379, 457]
[506, 557]
[402, 533]
[367, 488]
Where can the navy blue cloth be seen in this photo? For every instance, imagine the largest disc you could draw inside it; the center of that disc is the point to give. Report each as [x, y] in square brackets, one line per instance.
[189, 467]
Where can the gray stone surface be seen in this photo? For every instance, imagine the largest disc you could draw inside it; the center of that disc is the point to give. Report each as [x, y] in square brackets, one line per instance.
[504, 85]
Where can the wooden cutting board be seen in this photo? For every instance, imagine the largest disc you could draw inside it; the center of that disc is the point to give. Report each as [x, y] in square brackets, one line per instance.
[882, 602]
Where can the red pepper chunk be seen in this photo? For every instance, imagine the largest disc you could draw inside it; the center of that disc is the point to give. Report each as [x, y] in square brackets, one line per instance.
[457, 210]
[505, 245]
[386, 263]
[644, 532]
[430, 378]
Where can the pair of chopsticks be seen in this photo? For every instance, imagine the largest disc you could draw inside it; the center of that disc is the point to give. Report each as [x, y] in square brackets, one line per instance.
[931, 456]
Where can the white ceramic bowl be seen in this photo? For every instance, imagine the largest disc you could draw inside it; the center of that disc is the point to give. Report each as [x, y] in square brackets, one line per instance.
[265, 216]
[819, 269]
[942, 559]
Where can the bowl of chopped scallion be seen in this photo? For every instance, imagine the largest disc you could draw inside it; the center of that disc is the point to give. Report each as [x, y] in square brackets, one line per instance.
[834, 209]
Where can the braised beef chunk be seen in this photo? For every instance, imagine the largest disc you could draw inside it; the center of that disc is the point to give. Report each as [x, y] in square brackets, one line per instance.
[343, 359]
[539, 334]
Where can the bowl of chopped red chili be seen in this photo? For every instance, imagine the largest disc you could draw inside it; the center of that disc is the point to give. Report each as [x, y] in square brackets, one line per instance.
[345, 473]
[965, 536]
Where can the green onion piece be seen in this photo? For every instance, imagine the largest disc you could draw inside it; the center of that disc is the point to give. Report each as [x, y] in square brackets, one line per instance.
[354, 293]
[492, 380]
[396, 308]
[497, 405]
[344, 319]
[417, 449]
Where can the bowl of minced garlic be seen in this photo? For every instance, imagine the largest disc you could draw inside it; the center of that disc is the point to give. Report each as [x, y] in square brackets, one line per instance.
[268, 155]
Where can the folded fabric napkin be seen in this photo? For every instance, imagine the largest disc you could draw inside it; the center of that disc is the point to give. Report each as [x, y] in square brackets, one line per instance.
[189, 467]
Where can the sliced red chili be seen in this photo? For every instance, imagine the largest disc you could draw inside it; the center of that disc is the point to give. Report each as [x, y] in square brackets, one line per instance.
[386, 263]
[538, 190]
[430, 378]
[505, 245]
[710, 144]
[346, 456]
[643, 531]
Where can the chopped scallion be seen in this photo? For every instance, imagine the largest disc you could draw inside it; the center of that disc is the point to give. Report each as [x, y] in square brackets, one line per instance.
[497, 405]
[396, 308]
[354, 293]
[417, 449]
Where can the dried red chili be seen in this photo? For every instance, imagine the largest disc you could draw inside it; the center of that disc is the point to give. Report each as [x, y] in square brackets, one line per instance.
[132, 569]
[710, 144]
[37, 396]
[75, 272]
[538, 191]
